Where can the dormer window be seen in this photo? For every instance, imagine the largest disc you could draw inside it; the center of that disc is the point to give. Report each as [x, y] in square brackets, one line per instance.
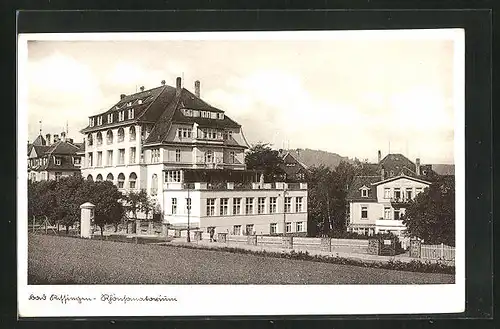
[91, 122]
[364, 191]
[121, 115]
[99, 120]
[129, 104]
[58, 161]
[196, 113]
[131, 113]
[139, 101]
[205, 114]
[110, 118]
[221, 116]
[213, 115]
[188, 113]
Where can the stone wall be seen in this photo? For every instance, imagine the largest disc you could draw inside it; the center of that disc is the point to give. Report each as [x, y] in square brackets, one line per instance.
[373, 247]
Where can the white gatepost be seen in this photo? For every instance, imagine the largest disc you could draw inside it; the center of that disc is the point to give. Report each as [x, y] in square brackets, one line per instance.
[87, 214]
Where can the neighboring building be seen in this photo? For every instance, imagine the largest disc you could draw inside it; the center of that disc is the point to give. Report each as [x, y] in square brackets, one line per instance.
[234, 202]
[376, 202]
[164, 128]
[294, 170]
[51, 161]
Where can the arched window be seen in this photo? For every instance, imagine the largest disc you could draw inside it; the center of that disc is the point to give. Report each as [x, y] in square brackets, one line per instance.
[109, 137]
[121, 180]
[110, 177]
[132, 133]
[90, 178]
[209, 156]
[90, 140]
[121, 135]
[154, 185]
[132, 179]
[99, 138]
[98, 178]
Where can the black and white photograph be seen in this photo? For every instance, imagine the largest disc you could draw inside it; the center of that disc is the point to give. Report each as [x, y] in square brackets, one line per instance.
[189, 173]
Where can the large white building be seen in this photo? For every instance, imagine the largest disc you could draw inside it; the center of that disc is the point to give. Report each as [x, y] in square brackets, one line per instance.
[234, 204]
[149, 139]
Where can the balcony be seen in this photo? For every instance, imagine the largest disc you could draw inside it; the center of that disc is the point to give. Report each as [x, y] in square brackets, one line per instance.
[399, 202]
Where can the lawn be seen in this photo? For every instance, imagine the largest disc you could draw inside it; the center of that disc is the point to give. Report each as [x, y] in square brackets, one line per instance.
[64, 260]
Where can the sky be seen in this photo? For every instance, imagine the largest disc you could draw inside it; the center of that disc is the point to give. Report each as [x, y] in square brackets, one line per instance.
[348, 96]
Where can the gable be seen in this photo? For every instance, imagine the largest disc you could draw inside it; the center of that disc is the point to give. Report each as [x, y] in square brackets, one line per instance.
[33, 153]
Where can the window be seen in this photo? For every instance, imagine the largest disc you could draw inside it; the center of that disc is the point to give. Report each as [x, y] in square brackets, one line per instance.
[261, 205]
[387, 213]
[121, 156]
[248, 206]
[213, 115]
[236, 206]
[131, 113]
[121, 180]
[177, 155]
[232, 157]
[77, 160]
[249, 229]
[109, 137]
[132, 155]
[237, 229]
[58, 161]
[110, 177]
[90, 141]
[387, 193]
[273, 228]
[188, 205]
[58, 175]
[121, 115]
[89, 178]
[300, 226]
[224, 206]
[132, 180]
[131, 132]
[288, 204]
[91, 122]
[364, 212]
[272, 205]
[173, 176]
[155, 156]
[210, 207]
[220, 116]
[98, 178]
[210, 134]
[418, 190]
[99, 120]
[364, 192]
[184, 133]
[99, 138]
[121, 135]
[90, 159]
[110, 118]
[288, 227]
[174, 206]
[209, 156]
[396, 214]
[154, 184]
[99, 158]
[298, 204]
[409, 192]
[397, 193]
[109, 161]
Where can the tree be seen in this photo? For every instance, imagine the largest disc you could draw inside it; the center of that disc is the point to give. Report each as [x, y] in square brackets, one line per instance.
[107, 199]
[135, 202]
[263, 158]
[431, 216]
[68, 200]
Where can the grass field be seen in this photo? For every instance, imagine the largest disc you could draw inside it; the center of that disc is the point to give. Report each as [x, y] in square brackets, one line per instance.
[63, 260]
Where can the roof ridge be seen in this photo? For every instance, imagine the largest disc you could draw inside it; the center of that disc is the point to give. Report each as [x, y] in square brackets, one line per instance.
[151, 103]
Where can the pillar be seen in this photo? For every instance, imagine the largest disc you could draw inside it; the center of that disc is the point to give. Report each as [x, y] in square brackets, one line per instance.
[86, 217]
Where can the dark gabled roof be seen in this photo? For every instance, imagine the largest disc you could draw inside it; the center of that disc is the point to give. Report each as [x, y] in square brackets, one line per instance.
[354, 193]
[173, 104]
[291, 166]
[62, 148]
[397, 163]
[40, 149]
[39, 141]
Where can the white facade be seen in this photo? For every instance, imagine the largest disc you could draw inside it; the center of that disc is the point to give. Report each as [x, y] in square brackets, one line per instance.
[259, 209]
[381, 216]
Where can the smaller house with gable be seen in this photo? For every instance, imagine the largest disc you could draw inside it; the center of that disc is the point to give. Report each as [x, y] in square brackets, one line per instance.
[293, 169]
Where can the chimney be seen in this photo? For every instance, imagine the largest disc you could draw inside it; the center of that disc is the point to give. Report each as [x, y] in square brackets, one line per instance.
[47, 139]
[197, 88]
[382, 173]
[163, 82]
[178, 85]
[417, 166]
[142, 88]
[63, 136]
[379, 156]
[122, 96]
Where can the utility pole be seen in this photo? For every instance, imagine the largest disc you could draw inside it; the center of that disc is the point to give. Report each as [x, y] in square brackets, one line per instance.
[188, 204]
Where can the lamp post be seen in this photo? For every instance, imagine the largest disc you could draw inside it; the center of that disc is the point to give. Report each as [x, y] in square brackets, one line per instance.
[188, 204]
